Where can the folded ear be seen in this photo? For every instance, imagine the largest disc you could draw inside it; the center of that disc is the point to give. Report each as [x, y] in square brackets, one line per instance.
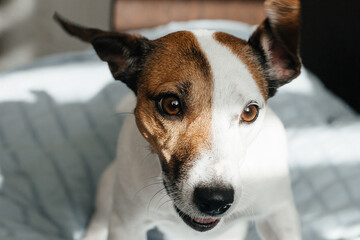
[276, 40]
[125, 53]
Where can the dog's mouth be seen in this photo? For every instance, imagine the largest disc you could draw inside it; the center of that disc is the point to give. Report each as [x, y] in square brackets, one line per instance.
[199, 224]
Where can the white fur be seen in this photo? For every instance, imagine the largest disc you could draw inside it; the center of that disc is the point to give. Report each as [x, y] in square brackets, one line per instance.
[250, 157]
[234, 88]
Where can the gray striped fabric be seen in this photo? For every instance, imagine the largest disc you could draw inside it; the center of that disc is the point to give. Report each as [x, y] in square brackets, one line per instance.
[58, 131]
[51, 156]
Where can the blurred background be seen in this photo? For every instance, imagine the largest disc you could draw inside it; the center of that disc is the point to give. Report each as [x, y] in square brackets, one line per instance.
[58, 129]
[27, 30]
[329, 44]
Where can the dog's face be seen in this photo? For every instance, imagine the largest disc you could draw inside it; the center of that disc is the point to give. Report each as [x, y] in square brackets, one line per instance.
[201, 102]
[201, 98]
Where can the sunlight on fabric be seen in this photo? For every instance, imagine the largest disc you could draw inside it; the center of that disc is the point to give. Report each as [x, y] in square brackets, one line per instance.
[1, 181]
[65, 83]
[343, 232]
[339, 141]
[78, 234]
[302, 84]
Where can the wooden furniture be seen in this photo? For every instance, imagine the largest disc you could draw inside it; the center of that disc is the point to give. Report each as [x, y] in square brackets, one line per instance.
[134, 14]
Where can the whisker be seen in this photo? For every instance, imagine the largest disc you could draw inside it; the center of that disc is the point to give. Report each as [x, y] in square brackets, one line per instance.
[146, 156]
[165, 195]
[167, 201]
[149, 185]
[148, 207]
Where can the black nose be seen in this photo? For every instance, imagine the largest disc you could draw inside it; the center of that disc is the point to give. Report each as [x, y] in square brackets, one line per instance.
[213, 201]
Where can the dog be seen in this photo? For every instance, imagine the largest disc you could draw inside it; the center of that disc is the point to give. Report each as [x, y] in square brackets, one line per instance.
[202, 154]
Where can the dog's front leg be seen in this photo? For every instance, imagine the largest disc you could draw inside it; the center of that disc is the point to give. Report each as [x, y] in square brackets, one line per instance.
[126, 228]
[128, 219]
[280, 225]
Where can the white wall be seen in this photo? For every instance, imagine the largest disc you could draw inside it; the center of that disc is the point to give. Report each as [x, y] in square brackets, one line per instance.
[38, 35]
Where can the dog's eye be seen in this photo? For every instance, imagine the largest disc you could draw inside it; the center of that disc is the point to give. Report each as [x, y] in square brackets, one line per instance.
[170, 105]
[250, 113]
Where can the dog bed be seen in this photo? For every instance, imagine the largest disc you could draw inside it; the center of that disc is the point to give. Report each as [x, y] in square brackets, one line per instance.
[58, 131]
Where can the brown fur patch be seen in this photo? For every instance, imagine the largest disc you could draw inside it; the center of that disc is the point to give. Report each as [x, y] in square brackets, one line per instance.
[247, 55]
[276, 40]
[284, 19]
[177, 66]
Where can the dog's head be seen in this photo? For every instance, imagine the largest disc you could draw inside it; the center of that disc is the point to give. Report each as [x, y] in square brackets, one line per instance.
[201, 99]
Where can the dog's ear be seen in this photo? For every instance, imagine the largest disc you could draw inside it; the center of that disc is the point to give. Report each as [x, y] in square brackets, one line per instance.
[125, 53]
[276, 40]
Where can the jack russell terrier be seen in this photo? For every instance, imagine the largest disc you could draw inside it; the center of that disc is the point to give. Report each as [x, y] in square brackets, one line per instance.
[202, 154]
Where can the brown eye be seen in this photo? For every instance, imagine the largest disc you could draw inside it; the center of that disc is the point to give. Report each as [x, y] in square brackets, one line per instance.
[170, 105]
[250, 113]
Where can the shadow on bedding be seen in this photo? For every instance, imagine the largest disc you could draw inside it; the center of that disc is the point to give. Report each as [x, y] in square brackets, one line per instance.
[51, 157]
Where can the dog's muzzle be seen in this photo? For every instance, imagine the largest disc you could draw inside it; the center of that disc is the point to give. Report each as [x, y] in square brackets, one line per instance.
[212, 202]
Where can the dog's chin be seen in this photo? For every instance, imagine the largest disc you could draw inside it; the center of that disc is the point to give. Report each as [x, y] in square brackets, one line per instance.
[198, 224]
